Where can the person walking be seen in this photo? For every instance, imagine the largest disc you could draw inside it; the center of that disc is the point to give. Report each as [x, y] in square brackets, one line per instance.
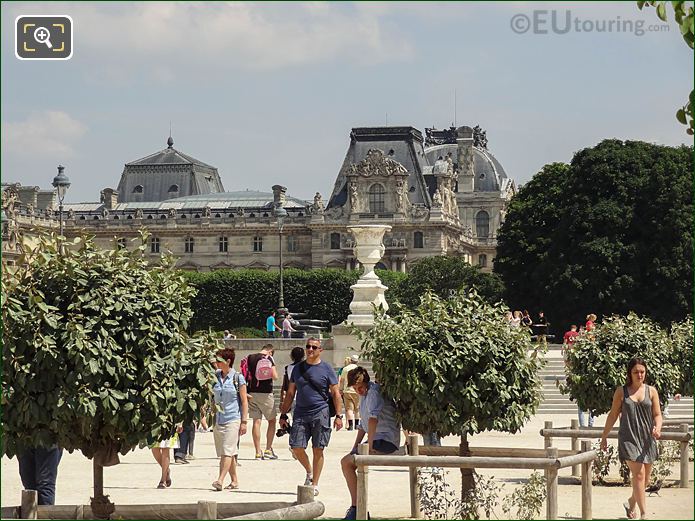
[382, 429]
[541, 326]
[351, 399]
[186, 441]
[229, 391]
[637, 404]
[162, 454]
[262, 400]
[271, 325]
[38, 470]
[287, 326]
[314, 382]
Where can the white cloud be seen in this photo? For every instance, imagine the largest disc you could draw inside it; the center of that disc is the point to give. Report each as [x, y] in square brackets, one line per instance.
[48, 133]
[238, 35]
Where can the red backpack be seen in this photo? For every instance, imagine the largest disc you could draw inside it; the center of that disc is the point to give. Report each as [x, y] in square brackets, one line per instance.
[244, 369]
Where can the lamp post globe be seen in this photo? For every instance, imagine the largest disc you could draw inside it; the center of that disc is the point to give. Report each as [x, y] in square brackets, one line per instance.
[61, 183]
[281, 214]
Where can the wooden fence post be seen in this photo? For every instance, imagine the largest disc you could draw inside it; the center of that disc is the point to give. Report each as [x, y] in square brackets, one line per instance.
[30, 504]
[551, 485]
[548, 441]
[362, 484]
[305, 494]
[586, 483]
[413, 450]
[574, 445]
[684, 457]
[207, 510]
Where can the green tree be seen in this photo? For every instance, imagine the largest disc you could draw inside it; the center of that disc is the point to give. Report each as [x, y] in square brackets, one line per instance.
[608, 234]
[597, 362]
[683, 14]
[445, 276]
[95, 357]
[682, 343]
[454, 366]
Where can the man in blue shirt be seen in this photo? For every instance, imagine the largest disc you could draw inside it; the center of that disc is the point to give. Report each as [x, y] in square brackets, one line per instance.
[271, 326]
[315, 383]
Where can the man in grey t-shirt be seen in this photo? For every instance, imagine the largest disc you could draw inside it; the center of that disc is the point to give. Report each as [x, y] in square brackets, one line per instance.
[378, 423]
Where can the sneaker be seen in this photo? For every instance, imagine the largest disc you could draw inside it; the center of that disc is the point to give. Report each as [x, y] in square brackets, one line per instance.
[178, 461]
[190, 457]
[269, 454]
[259, 455]
[309, 480]
[351, 513]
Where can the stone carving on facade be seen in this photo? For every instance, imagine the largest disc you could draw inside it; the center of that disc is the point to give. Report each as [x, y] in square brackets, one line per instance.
[418, 212]
[139, 213]
[30, 210]
[353, 197]
[10, 196]
[479, 137]
[318, 207]
[401, 196]
[445, 136]
[377, 164]
[207, 212]
[334, 213]
[437, 199]
[171, 213]
[71, 214]
[105, 213]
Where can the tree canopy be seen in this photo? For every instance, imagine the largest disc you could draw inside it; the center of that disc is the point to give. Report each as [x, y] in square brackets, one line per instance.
[608, 234]
[95, 355]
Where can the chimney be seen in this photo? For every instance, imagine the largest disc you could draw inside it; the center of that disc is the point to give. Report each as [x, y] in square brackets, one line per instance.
[279, 195]
[109, 197]
[464, 141]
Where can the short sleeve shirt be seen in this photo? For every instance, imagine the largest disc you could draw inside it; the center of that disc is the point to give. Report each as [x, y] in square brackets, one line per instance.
[226, 396]
[270, 323]
[309, 400]
[374, 405]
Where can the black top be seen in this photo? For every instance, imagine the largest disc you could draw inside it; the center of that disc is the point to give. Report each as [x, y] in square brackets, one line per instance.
[264, 386]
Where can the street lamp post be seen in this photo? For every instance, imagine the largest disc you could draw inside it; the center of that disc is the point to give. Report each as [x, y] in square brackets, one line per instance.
[281, 213]
[61, 183]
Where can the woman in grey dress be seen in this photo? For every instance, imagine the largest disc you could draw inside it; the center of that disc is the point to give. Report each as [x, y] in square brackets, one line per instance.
[637, 404]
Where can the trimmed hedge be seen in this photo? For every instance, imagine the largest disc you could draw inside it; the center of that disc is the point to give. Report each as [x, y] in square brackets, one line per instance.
[228, 299]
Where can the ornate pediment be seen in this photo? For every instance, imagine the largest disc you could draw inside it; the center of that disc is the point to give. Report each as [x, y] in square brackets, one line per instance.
[377, 164]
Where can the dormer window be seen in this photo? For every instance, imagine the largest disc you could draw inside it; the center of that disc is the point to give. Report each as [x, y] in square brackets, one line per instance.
[376, 198]
[138, 189]
[174, 189]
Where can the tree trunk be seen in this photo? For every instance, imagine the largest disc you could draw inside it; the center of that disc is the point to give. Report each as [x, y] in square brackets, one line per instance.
[102, 508]
[467, 480]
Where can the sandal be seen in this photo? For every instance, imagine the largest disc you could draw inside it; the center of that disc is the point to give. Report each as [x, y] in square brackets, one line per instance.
[161, 485]
[232, 486]
[168, 480]
[629, 513]
[217, 485]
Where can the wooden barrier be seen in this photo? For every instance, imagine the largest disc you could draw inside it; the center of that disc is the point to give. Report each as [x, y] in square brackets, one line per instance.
[586, 483]
[200, 510]
[503, 452]
[575, 446]
[414, 450]
[551, 464]
[682, 435]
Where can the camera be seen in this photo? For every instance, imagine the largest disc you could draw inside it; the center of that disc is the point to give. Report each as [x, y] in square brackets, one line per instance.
[282, 431]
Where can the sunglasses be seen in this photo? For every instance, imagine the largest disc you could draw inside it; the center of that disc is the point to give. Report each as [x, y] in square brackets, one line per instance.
[309, 348]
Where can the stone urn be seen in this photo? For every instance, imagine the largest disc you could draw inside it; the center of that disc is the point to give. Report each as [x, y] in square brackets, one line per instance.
[368, 291]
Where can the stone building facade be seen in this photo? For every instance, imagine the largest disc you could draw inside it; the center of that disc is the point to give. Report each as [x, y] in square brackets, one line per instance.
[442, 195]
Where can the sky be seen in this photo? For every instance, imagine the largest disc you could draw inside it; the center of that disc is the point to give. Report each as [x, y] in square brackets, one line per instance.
[268, 93]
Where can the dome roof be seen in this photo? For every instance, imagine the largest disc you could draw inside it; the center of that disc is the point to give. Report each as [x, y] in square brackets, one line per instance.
[489, 173]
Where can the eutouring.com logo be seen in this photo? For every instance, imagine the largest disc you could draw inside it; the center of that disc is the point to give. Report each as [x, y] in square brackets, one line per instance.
[562, 22]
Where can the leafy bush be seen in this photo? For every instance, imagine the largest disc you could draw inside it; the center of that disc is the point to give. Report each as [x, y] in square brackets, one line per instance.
[439, 501]
[597, 363]
[601, 466]
[528, 499]
[682, 342]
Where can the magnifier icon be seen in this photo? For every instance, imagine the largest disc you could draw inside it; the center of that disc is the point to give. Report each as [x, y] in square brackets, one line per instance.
[43, 35]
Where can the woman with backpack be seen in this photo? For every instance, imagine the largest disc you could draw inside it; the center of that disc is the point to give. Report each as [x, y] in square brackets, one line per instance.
[229, 391]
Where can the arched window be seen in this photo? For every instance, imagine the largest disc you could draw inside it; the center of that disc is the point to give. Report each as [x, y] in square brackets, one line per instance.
[482, 260]
[418, 240]
[138, 189]
[482, 224]
[376, 198]
[335, 241]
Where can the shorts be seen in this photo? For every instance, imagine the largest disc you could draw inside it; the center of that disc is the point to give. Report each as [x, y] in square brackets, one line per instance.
[316, 426]
[262, 405]
[227, 438]
[352, 402]
[383, 446]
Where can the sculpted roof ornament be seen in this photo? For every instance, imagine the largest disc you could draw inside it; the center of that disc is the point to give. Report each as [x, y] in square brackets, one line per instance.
[377, 164]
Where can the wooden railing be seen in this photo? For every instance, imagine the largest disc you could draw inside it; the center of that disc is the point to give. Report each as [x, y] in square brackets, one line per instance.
[669, 432]
[549, 461]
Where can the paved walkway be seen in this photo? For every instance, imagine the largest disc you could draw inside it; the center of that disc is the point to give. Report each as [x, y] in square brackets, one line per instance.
[135, 479]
